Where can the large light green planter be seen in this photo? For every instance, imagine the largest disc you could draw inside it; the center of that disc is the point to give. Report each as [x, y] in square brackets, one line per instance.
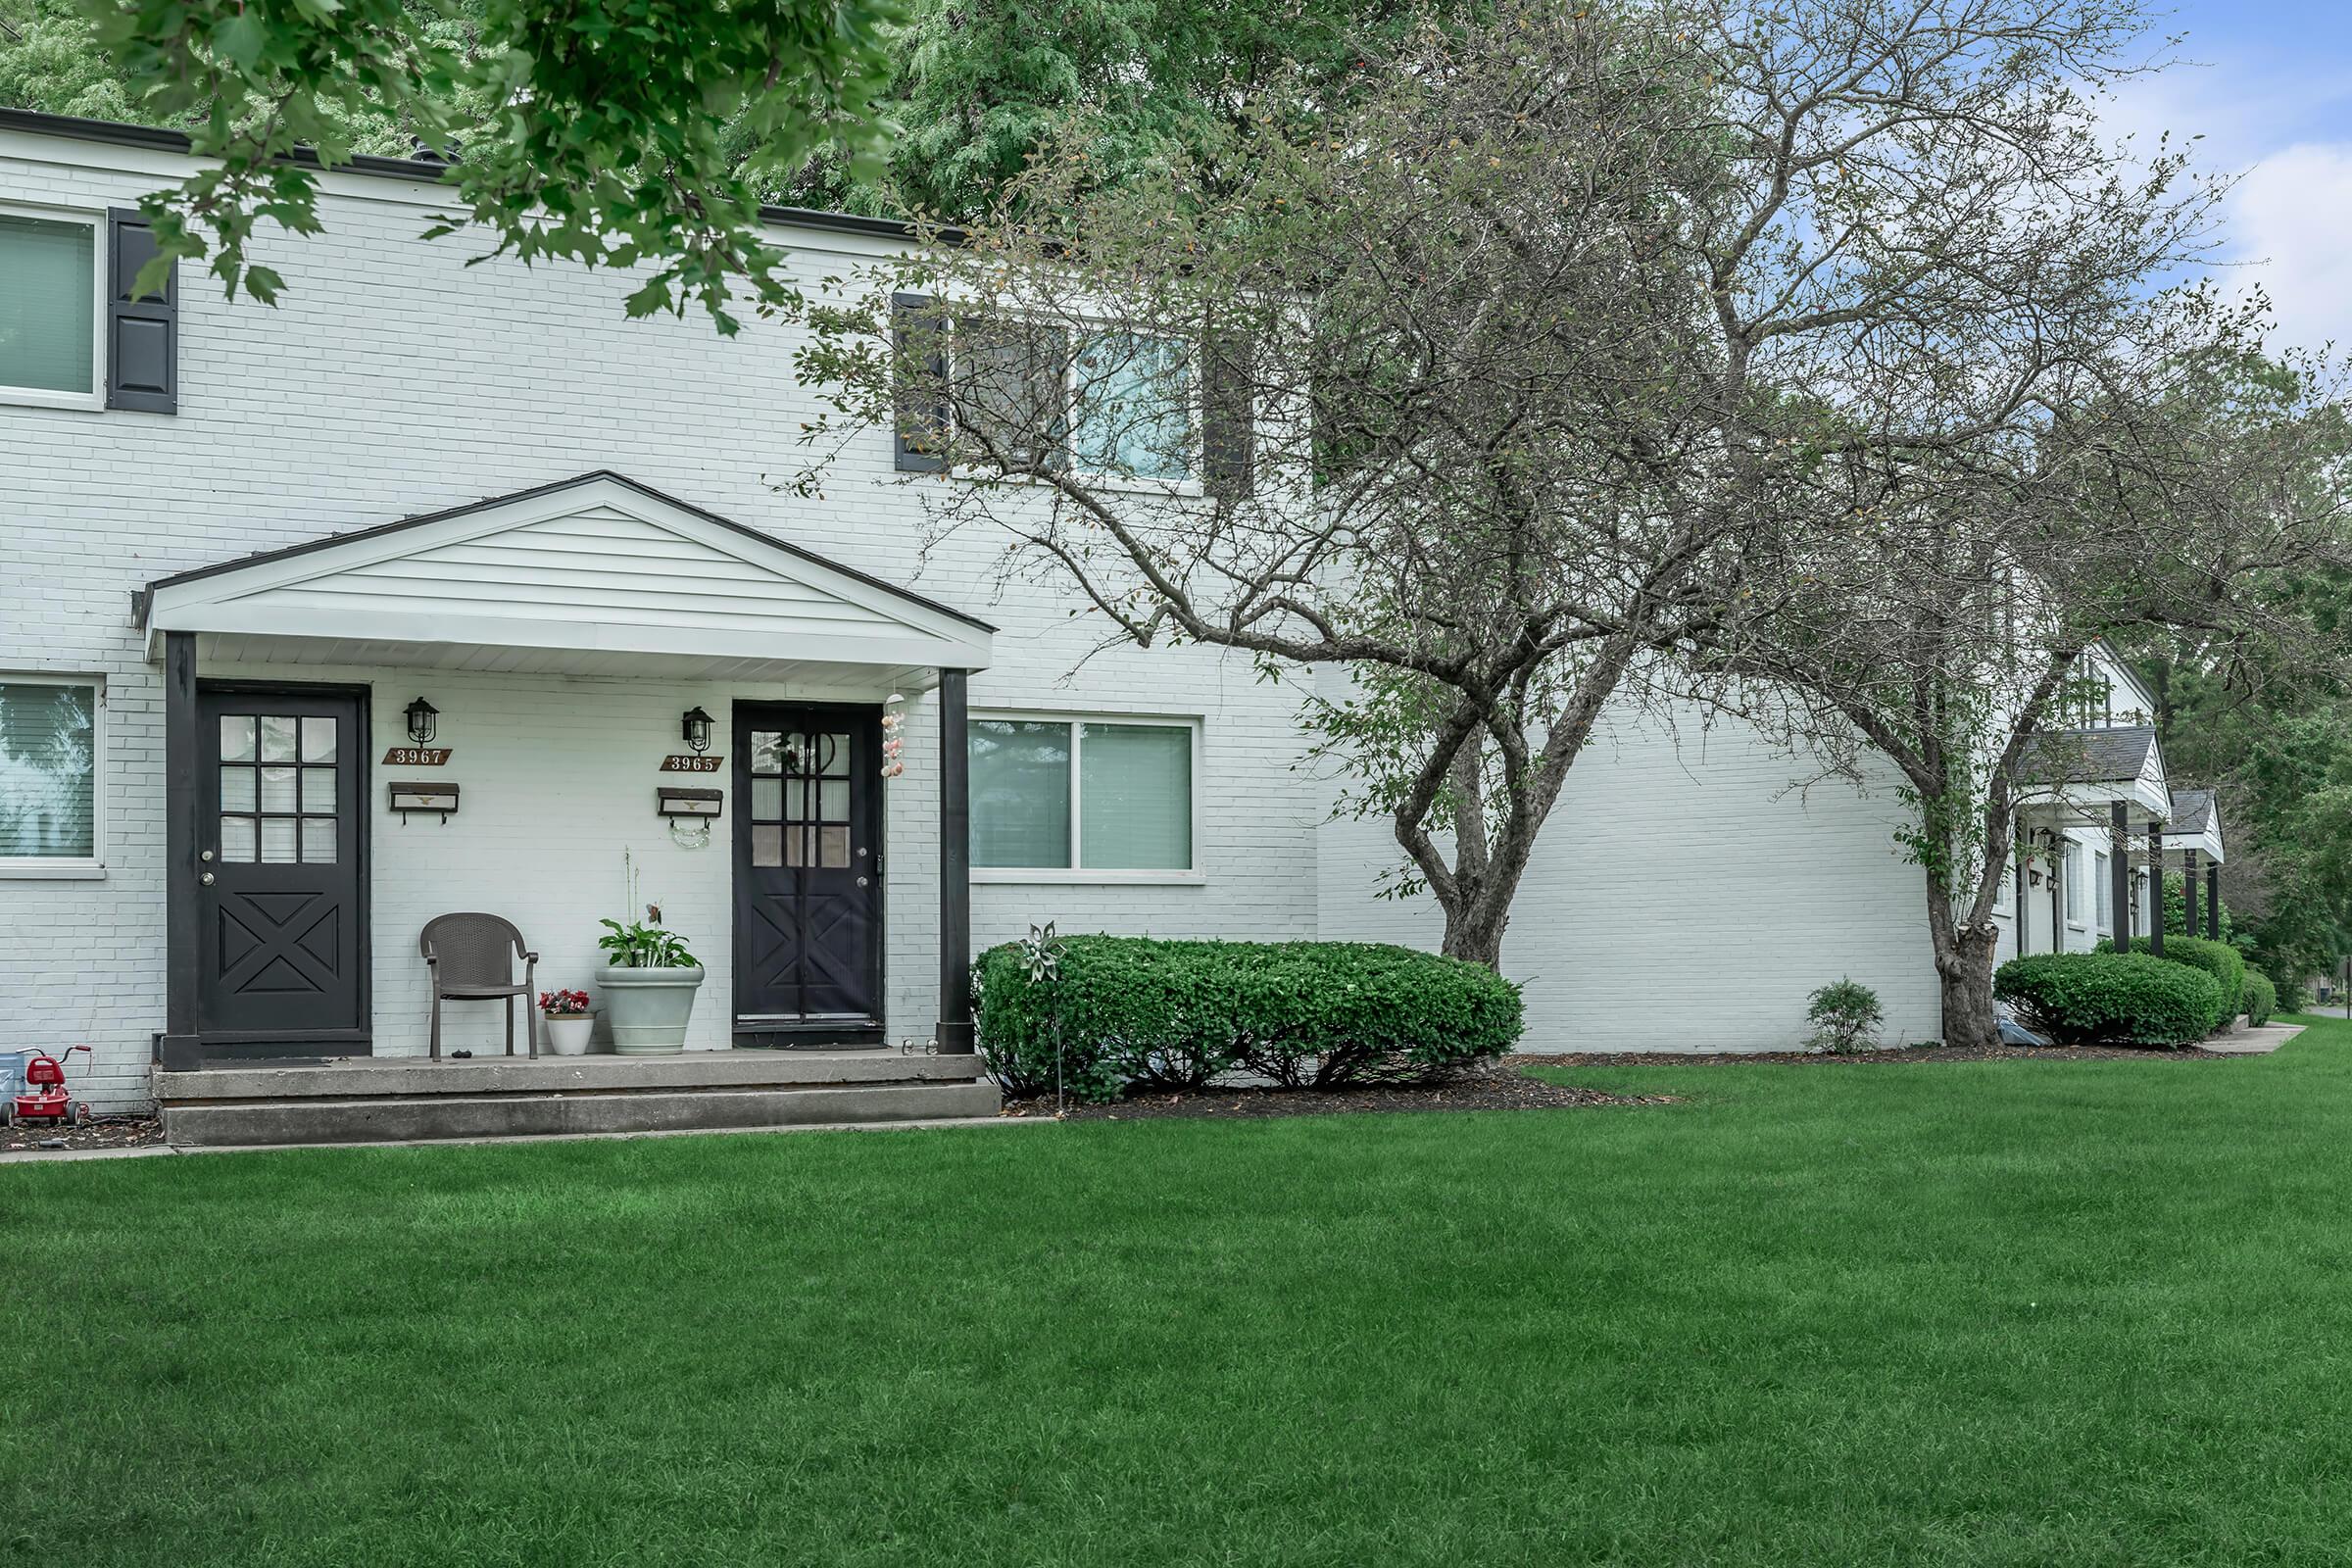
[646, 1008]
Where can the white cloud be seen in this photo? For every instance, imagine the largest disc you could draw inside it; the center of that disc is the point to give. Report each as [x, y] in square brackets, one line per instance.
[2291, 222]
[2273, 122]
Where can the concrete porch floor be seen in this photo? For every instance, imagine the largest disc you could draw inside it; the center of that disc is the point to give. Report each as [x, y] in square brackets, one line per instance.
[402, 1098]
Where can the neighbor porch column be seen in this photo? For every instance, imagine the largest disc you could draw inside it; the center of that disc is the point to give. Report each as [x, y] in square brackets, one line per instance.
[2189, 892]
[2156, 887]
[180, 1053]
[2119, 875]
[955, 1032]
[2213, 898]
[2024, 856]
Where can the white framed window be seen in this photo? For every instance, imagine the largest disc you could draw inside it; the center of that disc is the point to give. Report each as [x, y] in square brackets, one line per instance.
[52, 805]
[1125, 404]
[2074, 887]
[2102, 873]
[52, 324]
[1083, 798]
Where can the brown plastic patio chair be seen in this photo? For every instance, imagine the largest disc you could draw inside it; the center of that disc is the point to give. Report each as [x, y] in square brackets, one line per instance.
[470, 958]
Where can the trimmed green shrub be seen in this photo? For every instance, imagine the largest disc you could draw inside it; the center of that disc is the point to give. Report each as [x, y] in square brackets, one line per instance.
[2081, 998]
[2262, 997]
[1846, 1016]
[1131, 1013]
[2219, 960]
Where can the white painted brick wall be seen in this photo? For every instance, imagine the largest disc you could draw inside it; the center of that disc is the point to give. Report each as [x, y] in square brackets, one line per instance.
[1684, 895]
[394, 381]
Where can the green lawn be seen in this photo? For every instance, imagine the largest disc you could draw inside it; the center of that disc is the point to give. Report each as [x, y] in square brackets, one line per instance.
[2017, 1313]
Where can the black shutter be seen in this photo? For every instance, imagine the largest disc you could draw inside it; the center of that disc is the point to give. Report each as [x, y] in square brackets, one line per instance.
[920, 439]
[1228, 416]
[142, 334]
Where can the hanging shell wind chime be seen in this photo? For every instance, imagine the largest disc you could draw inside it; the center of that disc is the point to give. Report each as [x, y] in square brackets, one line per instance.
[894, 745]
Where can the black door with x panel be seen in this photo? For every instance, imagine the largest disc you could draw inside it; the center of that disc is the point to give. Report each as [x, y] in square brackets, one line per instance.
[281, 876]
[807, 874]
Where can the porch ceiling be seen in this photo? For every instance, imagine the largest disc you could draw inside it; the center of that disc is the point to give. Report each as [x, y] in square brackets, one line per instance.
[596, 575]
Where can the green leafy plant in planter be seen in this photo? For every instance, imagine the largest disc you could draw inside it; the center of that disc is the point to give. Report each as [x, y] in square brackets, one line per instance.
[649, 983]
[645, 943]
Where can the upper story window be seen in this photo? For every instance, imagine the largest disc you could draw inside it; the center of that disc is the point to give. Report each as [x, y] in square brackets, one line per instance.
[50, 278]
[1079, 798]
[49, 799]
[1106, 403]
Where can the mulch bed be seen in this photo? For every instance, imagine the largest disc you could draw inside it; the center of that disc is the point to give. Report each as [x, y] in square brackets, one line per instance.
[1913, 1053]
[1505, 1090]
[106, 1131]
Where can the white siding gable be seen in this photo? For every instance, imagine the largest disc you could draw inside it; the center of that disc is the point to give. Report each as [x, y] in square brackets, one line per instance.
[596, 567]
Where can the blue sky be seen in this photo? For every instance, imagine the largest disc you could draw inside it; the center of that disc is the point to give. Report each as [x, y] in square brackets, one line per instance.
[2268, 86]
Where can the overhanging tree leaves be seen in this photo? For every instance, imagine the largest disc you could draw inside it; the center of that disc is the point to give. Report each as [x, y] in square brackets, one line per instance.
[611, 132]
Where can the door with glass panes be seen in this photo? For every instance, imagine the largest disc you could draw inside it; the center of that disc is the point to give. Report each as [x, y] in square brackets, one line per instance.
[808, 873]
[281, 903]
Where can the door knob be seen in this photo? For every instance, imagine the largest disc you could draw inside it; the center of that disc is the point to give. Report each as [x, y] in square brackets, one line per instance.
[861, 881]
[207, 879]
[205, 855]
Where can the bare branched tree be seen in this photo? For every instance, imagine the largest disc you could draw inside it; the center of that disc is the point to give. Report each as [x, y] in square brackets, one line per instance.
[1478, 390]
[1940, 627]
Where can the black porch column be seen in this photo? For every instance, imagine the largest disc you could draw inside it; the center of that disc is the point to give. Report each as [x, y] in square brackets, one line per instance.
[180, 1053]
[2119, 875]
[2189, 892]
[2058, 858]
[2156, 887]
[2213, 898]
[2019, 887]
[954, 869]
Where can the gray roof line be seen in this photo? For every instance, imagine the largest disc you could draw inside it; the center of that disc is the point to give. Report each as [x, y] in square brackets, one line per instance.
[2101, 756]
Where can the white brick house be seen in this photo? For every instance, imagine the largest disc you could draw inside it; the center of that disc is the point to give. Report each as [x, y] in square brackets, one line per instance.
[227, 527]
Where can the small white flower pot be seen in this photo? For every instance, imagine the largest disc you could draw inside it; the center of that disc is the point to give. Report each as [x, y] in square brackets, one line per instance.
[569, 1037]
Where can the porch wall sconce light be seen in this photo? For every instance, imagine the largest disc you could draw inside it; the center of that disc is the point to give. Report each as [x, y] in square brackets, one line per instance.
[439, 798]
[422, 717]
[695, 728]
[672, 802]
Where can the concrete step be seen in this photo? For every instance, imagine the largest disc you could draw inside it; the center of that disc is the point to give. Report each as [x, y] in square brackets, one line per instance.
[398, 1077]
[309, 1119]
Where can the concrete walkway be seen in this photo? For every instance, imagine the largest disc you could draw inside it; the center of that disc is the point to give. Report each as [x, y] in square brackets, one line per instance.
[2246, 1042]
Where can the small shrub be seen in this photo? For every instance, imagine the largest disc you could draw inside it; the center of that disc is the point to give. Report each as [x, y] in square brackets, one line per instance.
[2287, 986]
[2081, 998]
[1846, 1016]
[1130, 1013]
[2262, 997]
[2219, 960]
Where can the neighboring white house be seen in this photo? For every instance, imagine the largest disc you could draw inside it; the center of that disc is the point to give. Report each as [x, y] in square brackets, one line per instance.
[428, 529]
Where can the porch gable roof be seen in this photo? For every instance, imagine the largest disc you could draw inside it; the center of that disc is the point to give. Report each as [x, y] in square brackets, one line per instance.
[597, 574]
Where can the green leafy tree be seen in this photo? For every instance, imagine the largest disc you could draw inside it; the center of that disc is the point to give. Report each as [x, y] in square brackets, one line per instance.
[611, 132]
[988, 85]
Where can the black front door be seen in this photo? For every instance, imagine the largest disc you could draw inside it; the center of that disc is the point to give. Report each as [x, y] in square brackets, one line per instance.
[808, 873]
[281, 841]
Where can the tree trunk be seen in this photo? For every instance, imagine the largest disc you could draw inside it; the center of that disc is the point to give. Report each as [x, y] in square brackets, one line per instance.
[1964, 979]
[1474, 934]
